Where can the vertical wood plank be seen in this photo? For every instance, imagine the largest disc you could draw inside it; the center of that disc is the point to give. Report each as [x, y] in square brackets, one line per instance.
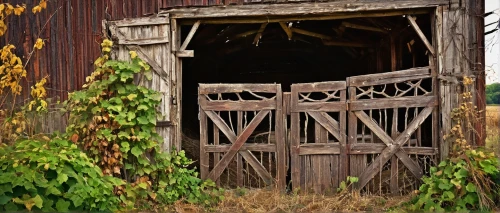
[343, 164]
[280, 140]
[239, 159]
[204, 157]
[216, 154]
[354, 164]
[295, 142]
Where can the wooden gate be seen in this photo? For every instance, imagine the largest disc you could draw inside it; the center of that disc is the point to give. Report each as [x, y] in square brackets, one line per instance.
[388, 139]
[318, 164]
[386, 112]
[240, 153]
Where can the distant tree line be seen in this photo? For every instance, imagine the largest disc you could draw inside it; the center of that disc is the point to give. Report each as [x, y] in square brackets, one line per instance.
[493, 93]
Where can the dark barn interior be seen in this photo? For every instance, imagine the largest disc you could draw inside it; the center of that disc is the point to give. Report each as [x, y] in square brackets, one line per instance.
[297, 52]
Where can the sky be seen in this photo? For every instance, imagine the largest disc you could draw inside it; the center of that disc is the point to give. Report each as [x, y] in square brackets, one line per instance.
[492, 43]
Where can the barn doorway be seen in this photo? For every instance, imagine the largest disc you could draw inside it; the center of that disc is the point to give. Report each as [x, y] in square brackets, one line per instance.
[294, 52]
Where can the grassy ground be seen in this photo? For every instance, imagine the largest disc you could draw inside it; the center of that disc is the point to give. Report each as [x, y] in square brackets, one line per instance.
[262, 200]
[493, 128]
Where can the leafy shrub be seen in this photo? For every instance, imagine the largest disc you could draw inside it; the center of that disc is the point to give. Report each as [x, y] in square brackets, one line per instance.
[114, 121]
[467, 179]
[460, 184]
[52, 175]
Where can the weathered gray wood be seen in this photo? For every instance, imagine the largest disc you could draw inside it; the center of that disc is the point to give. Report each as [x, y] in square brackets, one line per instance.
[420, 34]
[320, 86]
[239, 159]
[131, 22]
[249, 157]
[238, 143]
[184, 54]
[394, 148]
[238, 105]
[296, 164]
[245, 147]
[320, 107]
[141, 53]
[390, 77]
[327, 122]
[386, 103]
[144, 41]
[204, 157]
[280, 141]
[394, 144]
[216, 154]
[190, 36]
[342, 160]
[206, 89]
[323, 8]
[377, 148]
[319, 149]
[333, 16]
[176, 86]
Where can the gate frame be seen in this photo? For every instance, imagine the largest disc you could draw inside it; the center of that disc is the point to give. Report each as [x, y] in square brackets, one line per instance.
[239, 138]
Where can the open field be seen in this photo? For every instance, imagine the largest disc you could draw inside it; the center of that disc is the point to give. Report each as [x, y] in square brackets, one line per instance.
[493, 127]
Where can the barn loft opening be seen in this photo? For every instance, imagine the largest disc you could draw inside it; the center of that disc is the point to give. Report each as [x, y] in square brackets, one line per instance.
[295, 52]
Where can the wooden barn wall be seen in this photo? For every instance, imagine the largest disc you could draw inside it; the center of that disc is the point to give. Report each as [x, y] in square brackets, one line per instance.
[72, 29]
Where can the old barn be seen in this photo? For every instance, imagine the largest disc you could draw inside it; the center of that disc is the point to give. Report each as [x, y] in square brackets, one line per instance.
[297, 94]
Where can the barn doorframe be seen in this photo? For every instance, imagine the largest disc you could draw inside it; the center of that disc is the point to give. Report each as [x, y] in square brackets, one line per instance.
[269, 13]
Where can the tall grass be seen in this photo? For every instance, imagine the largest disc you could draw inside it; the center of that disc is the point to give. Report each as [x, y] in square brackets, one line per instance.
[493, 128]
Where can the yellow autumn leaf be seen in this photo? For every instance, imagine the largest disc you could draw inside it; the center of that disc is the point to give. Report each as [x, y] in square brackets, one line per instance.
[36, 9]
[39, 43]
[2, 7]
[133, 54]
[43, 4]
[19, 9]
[9, 9]
[46, 167]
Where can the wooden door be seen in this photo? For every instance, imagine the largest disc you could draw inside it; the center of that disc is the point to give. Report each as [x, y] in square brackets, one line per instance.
[150, 38]
[389, 148]
[318, 163]
[250, 152]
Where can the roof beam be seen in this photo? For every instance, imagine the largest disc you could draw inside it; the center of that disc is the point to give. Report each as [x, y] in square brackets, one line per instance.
[415, 26]
[287, 30]
[299, 9]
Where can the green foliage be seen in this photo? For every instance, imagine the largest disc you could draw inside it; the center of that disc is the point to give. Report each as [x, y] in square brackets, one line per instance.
[345, 184]
[462, 183]
[53, 175]
[493, 93]
[114, 121]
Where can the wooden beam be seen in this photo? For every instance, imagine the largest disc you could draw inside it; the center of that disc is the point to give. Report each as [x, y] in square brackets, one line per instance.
[287, 30]
[335, 16]
[185, 54]
[415, 26]
[299, 9]
[347, 44]
[259, 34]
[146, 57]
[190, 35]
[312, 34]
[363, 27]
